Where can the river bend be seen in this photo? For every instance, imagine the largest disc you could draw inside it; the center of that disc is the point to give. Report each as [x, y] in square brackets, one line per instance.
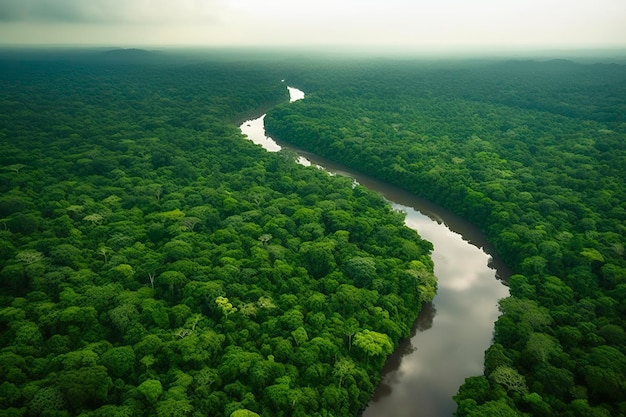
[451, 334]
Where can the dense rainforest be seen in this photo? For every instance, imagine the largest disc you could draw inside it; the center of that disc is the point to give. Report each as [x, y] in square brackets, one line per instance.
[152, 262]
[534, 153]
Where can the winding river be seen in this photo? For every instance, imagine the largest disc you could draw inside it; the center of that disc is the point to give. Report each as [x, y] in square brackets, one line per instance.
[451, 334]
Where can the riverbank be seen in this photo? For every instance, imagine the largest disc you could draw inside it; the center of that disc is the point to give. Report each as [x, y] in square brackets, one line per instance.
[451, 334]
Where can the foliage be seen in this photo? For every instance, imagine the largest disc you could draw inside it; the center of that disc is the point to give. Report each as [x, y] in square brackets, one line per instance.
[533, 152]
[152, 262]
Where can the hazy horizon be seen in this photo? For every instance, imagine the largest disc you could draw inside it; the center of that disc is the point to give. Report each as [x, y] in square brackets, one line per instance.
[403, 25]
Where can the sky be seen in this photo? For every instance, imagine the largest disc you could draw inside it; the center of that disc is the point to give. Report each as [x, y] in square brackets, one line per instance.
[496, 24]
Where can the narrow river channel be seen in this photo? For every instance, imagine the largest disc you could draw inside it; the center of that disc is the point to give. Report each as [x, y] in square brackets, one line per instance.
[452, 333]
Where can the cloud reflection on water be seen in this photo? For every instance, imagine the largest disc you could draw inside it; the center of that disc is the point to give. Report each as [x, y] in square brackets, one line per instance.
[450, 336]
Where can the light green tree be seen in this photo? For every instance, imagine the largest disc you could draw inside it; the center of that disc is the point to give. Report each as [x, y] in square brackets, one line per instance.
[151, 389]
[29, 256]
[244, 413]
[225, 305]
[300, 336]
[373, 343]
[510, 379]
[343, 368]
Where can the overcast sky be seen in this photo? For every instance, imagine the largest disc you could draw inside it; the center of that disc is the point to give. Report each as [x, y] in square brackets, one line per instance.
[419, 23]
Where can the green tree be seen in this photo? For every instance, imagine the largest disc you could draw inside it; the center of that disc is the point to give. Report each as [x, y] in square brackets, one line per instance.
[46, 399]
[29, 256]
[343, 368]
[604, 373]
[361, 270]
[244, 413]
[541, 347]
[225, 306]
[300, 335]
[497, 408]
[120, 361]
[151, 389]
[510, 379]
[84, 386]
[173, 408]
[123, 274]
[318, 257]
[174, 281]
[177, 249]
[373, 343]
[67, 255]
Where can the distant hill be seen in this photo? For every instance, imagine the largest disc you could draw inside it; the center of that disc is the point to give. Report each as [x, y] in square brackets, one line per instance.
[128, 53]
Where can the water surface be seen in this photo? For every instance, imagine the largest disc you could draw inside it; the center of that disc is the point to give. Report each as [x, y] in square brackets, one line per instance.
[451, 334]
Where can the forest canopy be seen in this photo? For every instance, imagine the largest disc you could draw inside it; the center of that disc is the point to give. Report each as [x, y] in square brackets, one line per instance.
[153, 262]
[534, 153]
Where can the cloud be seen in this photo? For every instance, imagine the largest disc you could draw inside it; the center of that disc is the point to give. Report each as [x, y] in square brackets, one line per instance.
[422, 23]
[111, 11]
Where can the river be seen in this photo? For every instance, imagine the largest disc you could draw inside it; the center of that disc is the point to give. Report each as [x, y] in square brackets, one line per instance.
[451, 334]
